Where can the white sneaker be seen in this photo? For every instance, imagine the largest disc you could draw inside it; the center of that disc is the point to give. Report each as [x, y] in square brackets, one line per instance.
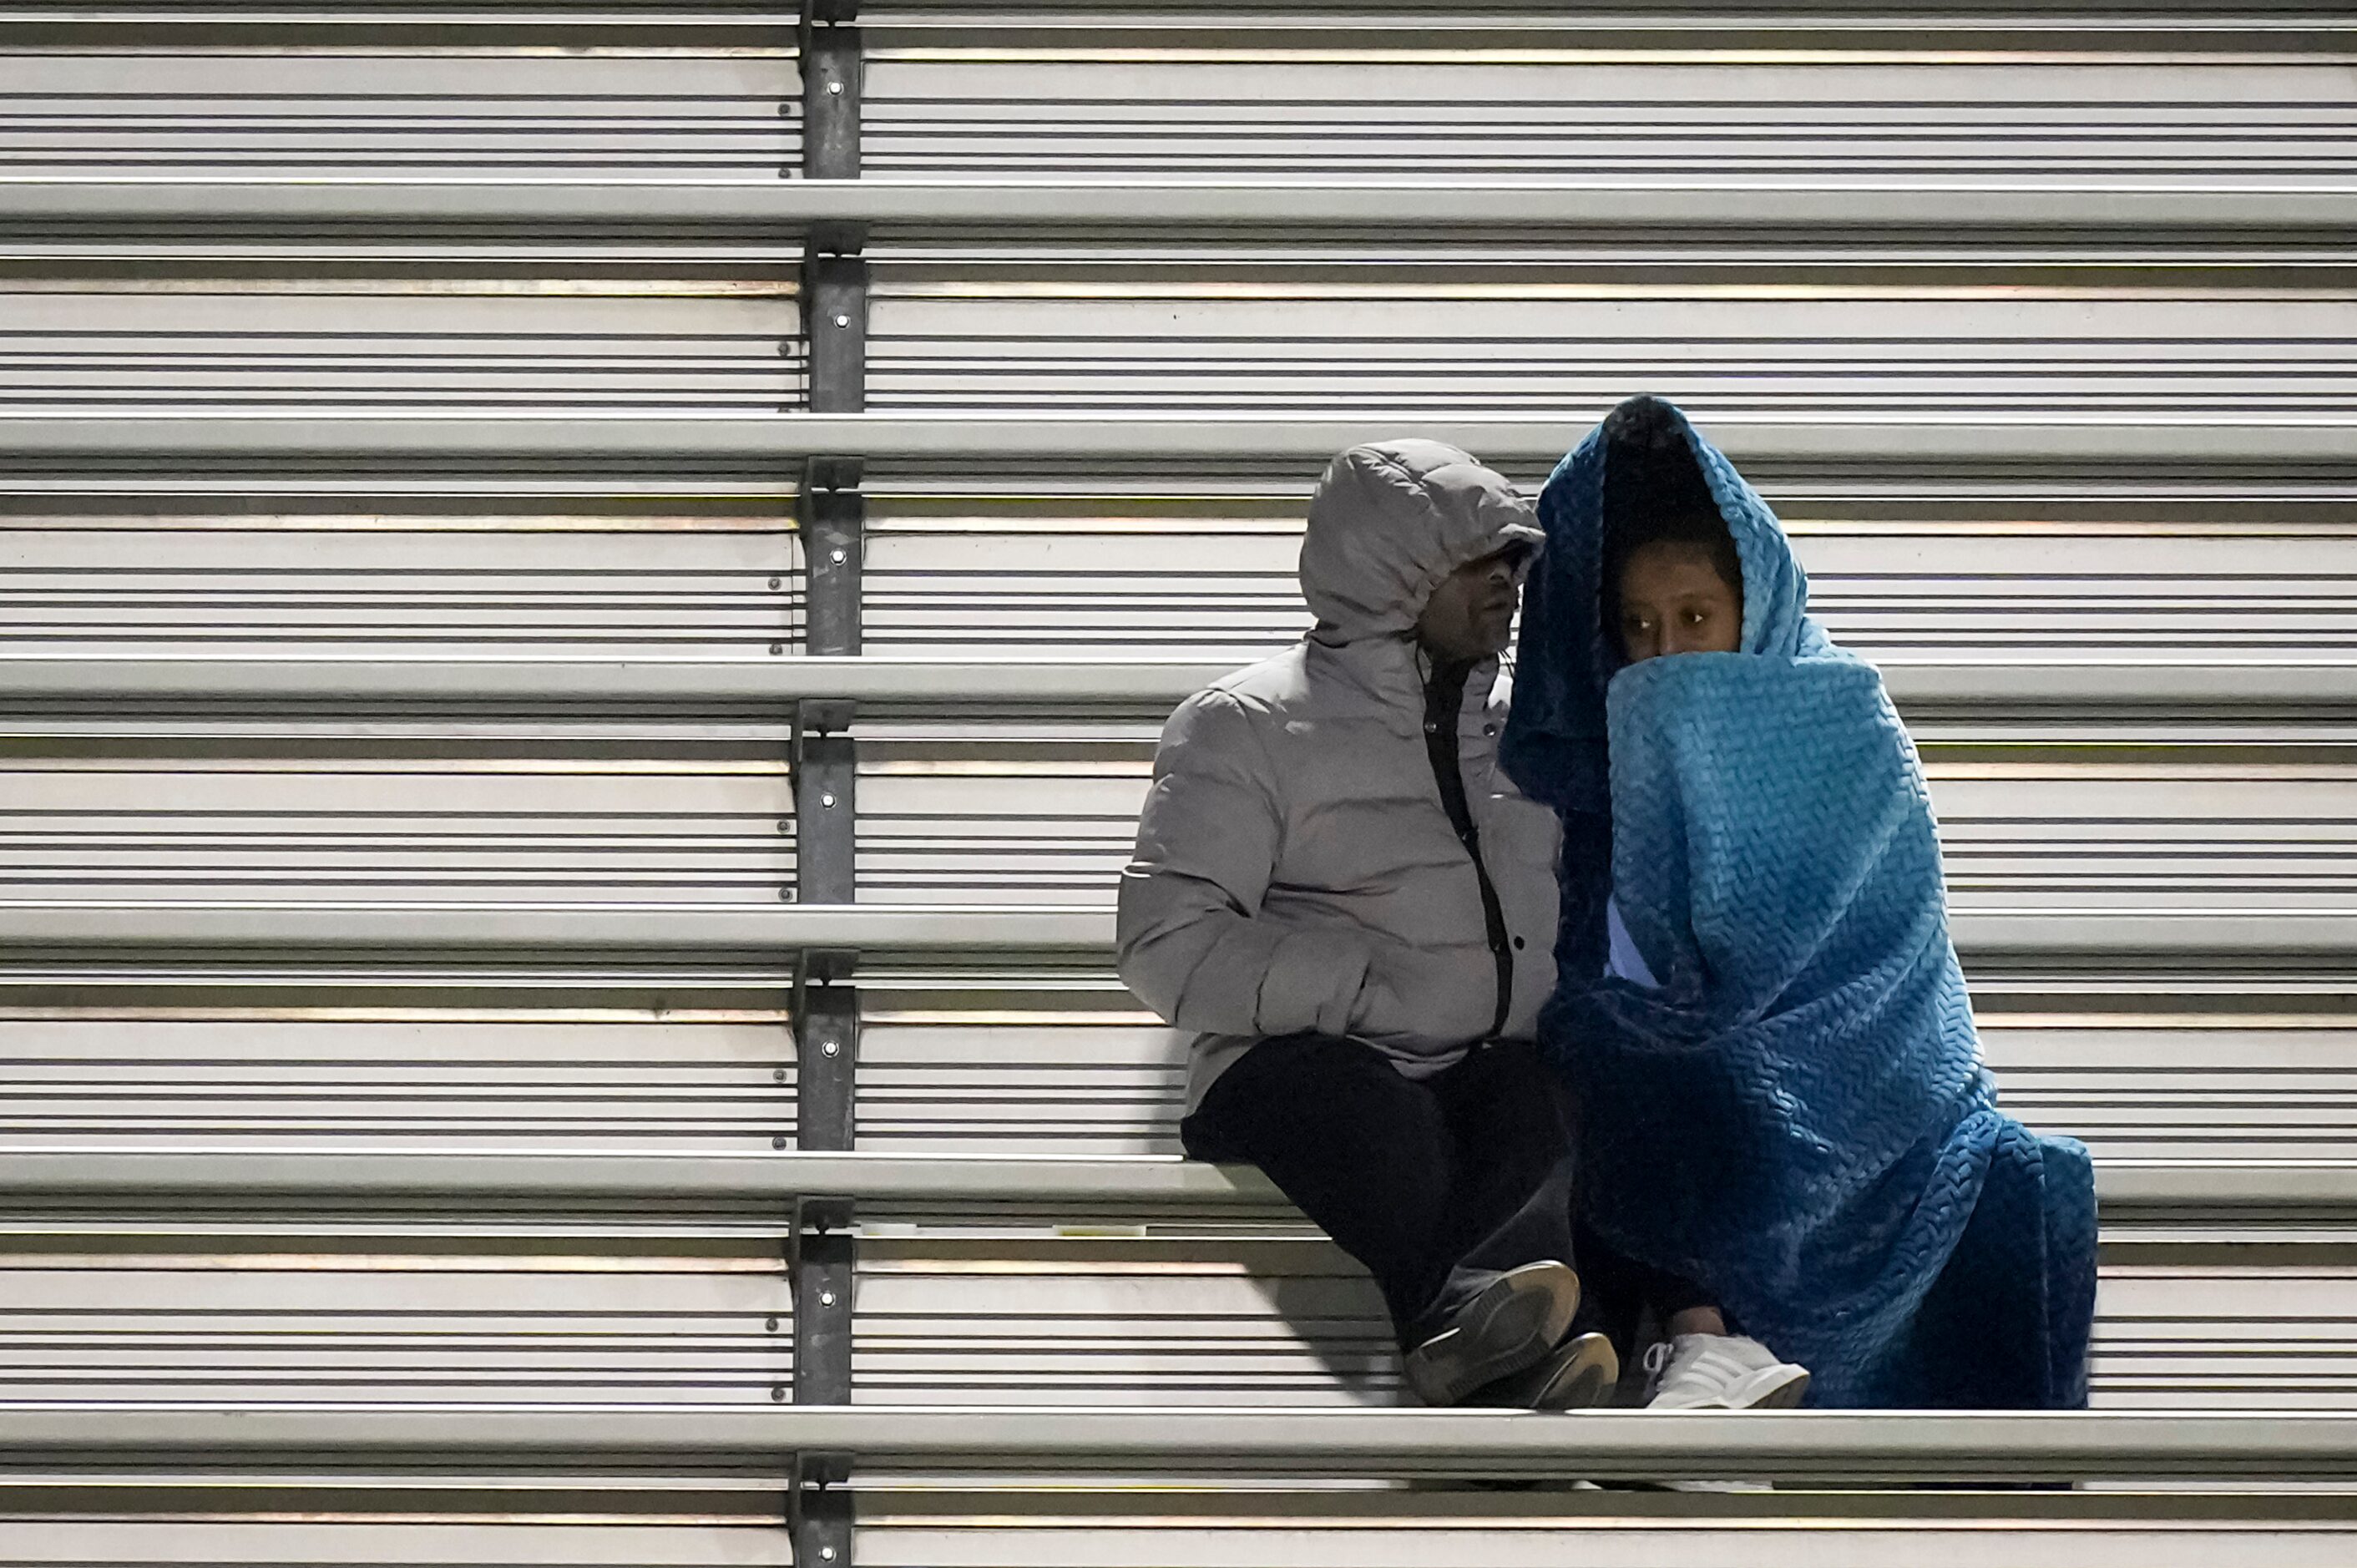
[1721, 1371]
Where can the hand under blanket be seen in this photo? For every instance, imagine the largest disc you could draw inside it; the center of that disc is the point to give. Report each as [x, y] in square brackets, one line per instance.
[1797, 1117]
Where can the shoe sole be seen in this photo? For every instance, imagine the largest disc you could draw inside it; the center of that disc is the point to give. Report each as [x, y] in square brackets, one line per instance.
[1514, 1321]
[1585, 1377]
[1771, 1388]
[1781, 1388]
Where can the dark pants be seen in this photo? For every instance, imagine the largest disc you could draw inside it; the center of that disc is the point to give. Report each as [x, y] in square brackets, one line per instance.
[1436, 1185]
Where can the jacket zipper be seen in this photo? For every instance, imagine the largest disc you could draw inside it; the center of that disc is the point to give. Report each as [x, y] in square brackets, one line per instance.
[1444, 701]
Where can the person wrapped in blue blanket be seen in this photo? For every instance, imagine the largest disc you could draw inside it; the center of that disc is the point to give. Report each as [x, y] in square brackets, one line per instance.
[1759, 1008]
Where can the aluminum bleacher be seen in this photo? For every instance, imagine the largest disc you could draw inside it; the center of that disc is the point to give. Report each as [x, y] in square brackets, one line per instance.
[589, 614]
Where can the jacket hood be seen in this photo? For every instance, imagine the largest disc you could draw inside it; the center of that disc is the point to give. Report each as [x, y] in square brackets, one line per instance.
[1554, 742]
[1393, 519]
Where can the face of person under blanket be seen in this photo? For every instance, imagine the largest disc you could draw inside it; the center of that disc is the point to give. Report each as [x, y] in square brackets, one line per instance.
[1471, 614]
[1672, 600]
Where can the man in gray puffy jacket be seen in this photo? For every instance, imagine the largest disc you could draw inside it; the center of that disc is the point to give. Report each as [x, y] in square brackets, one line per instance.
[1336, 885]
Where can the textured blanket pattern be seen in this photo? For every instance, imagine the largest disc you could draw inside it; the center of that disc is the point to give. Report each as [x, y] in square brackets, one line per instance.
[1797, 1118]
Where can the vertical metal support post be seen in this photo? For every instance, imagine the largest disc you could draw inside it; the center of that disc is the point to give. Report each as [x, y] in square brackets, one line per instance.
[835, 289]
[823, 1252]
[834, 285]
[834, 514]
[826, 1030]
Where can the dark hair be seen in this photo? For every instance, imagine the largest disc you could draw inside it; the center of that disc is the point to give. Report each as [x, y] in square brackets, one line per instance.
[1654, 493]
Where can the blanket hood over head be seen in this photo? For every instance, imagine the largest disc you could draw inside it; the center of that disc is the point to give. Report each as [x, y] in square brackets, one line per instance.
[1389, 522]
[1795, 1116]
[1567, 657]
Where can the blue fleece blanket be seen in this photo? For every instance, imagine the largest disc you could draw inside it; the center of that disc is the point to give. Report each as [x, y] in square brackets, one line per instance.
[1797, 1118]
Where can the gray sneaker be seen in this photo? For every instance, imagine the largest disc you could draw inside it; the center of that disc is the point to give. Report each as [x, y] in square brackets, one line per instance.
[1578, 1374]
[1516, 1319]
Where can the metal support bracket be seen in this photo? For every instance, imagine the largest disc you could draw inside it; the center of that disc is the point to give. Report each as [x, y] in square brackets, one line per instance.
[826, 781]
[818, 1511]
[833, 524]
[827, 1038]
[820, 1255]
[831, 57]
[835, 319]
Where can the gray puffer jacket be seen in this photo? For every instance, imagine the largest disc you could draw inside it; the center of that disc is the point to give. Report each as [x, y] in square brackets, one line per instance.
[1296, 870]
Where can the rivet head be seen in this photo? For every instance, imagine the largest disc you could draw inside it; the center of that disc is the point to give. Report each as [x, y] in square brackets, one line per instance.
[835, 87]
[830, 1047]
[826, 800]
[777, 648]
[838, 556]
[779, 1142]
[777, 1074]
[778, 1392]
[826, 1298]
[826, 1553]
[777, 582]
[843, 321]
[771, 1325]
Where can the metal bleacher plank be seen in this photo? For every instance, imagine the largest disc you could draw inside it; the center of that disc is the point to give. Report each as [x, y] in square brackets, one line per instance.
[489, 1527]
[346, 93]
[2273, 1446]
[944, 683]
[1433, 1525]
[369, 439]
[938, 683]
[402, 1311]
[298, 1179]
[1032, 930]
[779, 930]
[435, 1278]
[1108, 1526]
[688, 205]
